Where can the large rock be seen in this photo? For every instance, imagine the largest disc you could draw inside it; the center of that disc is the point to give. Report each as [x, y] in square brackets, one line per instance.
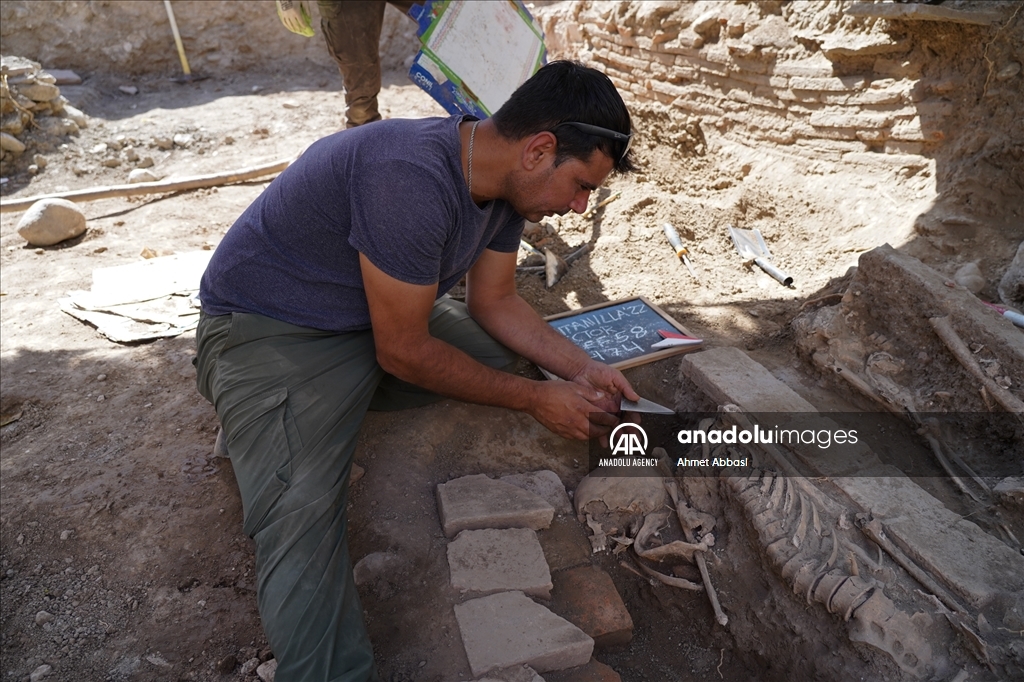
[51, 221]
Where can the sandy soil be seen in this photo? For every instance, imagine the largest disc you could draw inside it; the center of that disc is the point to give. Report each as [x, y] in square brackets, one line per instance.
[116, 519]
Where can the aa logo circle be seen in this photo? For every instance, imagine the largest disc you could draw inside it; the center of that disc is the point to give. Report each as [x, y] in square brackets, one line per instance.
[628, 439]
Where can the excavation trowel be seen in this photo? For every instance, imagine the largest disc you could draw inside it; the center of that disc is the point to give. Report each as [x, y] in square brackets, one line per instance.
[751, 247]
[643, 405]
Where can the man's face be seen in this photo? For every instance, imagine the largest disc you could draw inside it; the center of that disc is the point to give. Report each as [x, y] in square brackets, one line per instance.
[555, 190]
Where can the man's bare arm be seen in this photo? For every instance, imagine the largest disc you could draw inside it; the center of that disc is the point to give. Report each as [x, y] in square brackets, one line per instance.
[400, 312]
[497, 307]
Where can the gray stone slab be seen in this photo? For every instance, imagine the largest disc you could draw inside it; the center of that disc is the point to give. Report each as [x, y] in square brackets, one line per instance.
[509, 629]
[475, 502]
[544, 483]
[966, 559]
[728, 375]
[493, 560]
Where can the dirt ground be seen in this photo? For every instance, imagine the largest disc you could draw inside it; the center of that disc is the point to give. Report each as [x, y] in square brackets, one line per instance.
[116, 519]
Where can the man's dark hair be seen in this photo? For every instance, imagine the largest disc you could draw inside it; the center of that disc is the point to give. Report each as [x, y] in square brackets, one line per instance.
[563, 92]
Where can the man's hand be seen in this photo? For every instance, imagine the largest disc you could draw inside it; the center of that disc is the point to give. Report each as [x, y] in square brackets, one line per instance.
[607, 380]
[611, 385]
[564, 407]
[295, 17]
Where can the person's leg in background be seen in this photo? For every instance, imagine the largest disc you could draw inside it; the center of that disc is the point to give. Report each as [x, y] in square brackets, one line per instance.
[352, 31]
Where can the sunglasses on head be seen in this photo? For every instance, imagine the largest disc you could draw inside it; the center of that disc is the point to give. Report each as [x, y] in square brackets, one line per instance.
[603, 132]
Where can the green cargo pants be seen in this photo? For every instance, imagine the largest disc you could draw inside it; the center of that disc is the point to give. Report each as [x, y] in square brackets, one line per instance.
[352, 31]
[290, 401]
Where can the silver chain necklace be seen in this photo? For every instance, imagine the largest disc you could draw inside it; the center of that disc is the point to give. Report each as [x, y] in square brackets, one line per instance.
[472, 135]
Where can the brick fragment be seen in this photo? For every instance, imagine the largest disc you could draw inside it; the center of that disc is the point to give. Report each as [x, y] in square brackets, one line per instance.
[565, 544]
[593, 671]
[827, 84]
[587, 598]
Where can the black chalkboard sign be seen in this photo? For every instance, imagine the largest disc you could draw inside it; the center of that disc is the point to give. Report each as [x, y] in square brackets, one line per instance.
[620, 333]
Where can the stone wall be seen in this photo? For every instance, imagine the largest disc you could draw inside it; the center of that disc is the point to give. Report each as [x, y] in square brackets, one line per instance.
[133, 37]
[809, 80]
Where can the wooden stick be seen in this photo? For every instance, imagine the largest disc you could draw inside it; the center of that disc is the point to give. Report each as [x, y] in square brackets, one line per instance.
[590, 211]
[961, 352]
[177, 38]
[540, 269]
[197, 182]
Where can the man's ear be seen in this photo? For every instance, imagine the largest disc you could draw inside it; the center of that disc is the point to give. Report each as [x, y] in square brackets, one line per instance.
[539, 150]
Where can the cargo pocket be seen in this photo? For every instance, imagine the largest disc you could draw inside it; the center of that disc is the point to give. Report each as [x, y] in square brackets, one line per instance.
[262, 447]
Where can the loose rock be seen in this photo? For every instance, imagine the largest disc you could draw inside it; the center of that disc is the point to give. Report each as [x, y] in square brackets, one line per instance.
[969, 277]
[268, 670]
[373, 566]
[40, 673]
[9, 143]
[58, 127]
[142, 175]
[227, 664]
[43, 617]
[76, 115]
[39, 92]
[51, 221]
[249, 666]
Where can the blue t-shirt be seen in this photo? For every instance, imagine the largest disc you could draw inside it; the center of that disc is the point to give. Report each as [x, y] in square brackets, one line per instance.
[393, 190]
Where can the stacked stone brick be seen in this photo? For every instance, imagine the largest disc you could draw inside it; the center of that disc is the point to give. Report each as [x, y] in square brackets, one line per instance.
[29, 97]
[842, 89]
[497, 562]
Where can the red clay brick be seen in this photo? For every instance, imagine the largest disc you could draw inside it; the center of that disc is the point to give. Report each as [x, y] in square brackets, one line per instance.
[587, 598]
[593, 671]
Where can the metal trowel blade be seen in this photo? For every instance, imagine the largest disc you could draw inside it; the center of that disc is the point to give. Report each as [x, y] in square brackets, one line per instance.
[644, 405]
